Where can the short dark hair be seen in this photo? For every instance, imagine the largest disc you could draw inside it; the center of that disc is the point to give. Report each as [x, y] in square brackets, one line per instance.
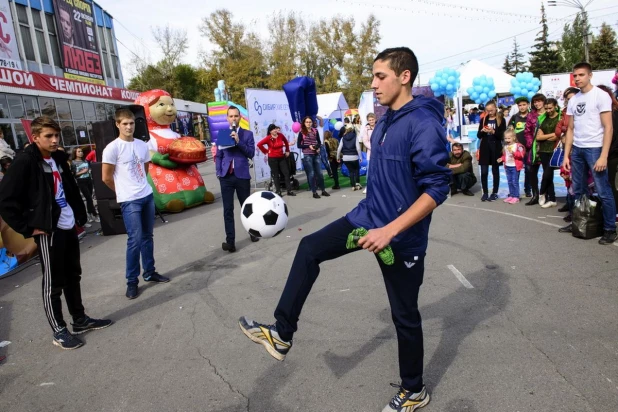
[522, 99]
[232, 108]
[539, 96]
[458, 145]
[400, 59]
[569, 91]
[123, 114]
[272, 127]
[552, 101]
[42, 122]
[583, 65]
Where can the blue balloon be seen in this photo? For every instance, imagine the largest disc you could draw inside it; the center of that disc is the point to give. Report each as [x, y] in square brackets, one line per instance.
[516, 90]
[483, 83]
[530, 95]
[474, 96]
[491, 94]
[476, 82]
[485, 89]
[434, 86]
[514, 82]
[443, 83]
[490, 81]
[449, 87]
[478, 88]
[470, 90]
[451, 79]
[483, 97]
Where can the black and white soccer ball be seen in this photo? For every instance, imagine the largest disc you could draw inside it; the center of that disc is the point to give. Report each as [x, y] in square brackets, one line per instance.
[264, 214]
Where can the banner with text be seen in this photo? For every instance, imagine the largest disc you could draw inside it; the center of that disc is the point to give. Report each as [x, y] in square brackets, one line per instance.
[266, 107]
[38, 81]
[9, 56]
[80, 54]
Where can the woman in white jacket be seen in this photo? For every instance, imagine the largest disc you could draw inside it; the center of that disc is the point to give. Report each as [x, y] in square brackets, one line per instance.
[366, 136]
[5, 149]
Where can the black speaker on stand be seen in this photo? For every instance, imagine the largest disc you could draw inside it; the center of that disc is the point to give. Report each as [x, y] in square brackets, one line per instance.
[109, 210]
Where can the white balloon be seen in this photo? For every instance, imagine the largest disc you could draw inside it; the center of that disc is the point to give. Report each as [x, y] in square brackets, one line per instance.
[338, 126]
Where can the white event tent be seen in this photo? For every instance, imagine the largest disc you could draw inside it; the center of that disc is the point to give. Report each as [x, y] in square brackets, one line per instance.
[332, 105]
[476, 68]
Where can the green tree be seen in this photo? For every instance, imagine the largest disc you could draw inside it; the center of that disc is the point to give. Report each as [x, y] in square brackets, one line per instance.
[544, 58]
[238, 55]
[604, 49]
[283, 61]
[571, 46]
[506, 66]
[517, 61]
[358, 61]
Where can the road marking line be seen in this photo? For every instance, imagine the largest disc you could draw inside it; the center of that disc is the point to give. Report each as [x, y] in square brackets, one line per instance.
[460, 277]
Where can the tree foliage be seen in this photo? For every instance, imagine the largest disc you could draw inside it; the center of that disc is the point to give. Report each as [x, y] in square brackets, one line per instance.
[604, 49]
[545, 57]
[571, 46]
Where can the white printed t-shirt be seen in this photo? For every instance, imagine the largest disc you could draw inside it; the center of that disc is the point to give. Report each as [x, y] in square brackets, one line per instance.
[586, 109]
[129, 174]
[67, 218]
[510, 157]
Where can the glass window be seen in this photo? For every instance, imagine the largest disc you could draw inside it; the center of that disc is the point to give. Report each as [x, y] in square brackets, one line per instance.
[48, 107]
[100, 108]
[32, 107]
[110, 38]
[28, 46]
[89, 128]
[111, 111]
[4, 107]
[68, 134]
[22, 14]
[77, 111]
[36, 19]
[53, 39]
[64, 111]
[82, 133]
[108, 72]
[40, 38]
[116, 67]
[89, 112]
[101, 39]
[20, 135]
[16, 106]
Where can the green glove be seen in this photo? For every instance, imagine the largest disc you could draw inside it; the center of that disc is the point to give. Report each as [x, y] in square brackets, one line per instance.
[163, 160]
[386, 255]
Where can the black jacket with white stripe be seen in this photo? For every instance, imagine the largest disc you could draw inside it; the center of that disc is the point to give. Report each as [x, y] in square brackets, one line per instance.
[27, 199]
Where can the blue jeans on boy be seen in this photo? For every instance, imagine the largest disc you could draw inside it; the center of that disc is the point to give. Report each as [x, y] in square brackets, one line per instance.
[582, 160]
[512, 177]
[313, 169]
[138, 218]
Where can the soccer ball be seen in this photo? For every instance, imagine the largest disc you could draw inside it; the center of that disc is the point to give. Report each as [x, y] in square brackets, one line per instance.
[264, 214]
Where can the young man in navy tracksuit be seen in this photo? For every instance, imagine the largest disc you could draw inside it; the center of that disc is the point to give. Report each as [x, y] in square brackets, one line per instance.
[407, 147]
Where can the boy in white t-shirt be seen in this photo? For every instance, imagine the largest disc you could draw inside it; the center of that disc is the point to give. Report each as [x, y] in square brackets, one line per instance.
[39, 198]
[588, 140]
[125, 171]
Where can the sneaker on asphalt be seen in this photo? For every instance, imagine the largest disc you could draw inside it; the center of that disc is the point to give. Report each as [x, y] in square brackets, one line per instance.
[131, 291]
[66, 340]
[87, 323]
[406, 401]
[365, 191]
[549, 204]
[266, 335]
[566, 229]
[315, 195]
[608, 238]
[467, 192]
[90, 218]
[156, 278]
[493, 197]
[508, 199]
[542, 200]
[514, 200]
[87, 224]
[563, 209]
[325, 193]
[484, 197]
[97, 219]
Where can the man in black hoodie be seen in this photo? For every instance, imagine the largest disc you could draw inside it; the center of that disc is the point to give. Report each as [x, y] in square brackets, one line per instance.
[39, 198]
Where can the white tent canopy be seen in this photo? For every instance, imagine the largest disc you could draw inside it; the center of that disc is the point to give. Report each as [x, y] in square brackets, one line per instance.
[332, 105]
[475, 68]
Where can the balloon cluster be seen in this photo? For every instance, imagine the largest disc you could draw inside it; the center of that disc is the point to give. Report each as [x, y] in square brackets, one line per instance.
[482, 90]
[525, 85]
[221, 93]
[445, 83]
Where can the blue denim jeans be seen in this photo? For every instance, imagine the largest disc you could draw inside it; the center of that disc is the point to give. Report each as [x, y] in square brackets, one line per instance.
[138, 218]
[512, 177]
[313, 169]
[583, 160]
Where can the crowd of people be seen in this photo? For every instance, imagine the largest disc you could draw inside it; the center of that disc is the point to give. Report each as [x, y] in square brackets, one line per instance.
[580, 140]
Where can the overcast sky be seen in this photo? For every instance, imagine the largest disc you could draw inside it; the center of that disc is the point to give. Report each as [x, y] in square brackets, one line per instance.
[441, 33]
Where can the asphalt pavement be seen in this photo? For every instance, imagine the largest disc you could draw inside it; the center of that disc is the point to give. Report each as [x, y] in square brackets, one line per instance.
[516, 317]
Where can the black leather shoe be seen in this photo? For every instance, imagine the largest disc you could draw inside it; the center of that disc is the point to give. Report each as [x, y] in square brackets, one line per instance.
[533, 201]
[131, 291]
[467, 192]
[228, 248]
[156, 278]
[254, 238]
[563, 209]
[325, 193]
[567, 229]
[290, 193]
[316, 196]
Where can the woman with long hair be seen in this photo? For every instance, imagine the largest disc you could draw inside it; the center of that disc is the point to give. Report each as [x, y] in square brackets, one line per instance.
[612, 157]
[491, 133]
[309, 142]
[81, 171]
[277, 150]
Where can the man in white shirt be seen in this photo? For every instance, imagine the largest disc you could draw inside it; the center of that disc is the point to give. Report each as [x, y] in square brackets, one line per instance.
[125, 170]
[588, 139]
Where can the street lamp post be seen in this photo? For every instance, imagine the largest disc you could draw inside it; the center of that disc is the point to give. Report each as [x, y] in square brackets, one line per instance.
[581, 6]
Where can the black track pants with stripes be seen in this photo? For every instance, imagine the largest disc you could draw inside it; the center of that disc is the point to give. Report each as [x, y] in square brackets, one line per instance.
[60, 263]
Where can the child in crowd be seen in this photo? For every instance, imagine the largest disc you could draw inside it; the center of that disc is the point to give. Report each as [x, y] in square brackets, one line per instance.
[513, 160]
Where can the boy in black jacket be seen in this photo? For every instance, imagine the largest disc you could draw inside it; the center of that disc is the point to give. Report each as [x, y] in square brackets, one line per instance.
[39, 198]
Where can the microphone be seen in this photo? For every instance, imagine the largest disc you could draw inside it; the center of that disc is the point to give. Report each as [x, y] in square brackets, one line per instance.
[234, 126]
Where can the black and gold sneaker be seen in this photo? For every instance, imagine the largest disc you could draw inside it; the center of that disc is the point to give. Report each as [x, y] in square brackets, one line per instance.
[406, 401]
[267, 335]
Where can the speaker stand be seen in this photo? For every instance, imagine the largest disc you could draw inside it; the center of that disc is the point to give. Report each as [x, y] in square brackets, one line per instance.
[158, 213]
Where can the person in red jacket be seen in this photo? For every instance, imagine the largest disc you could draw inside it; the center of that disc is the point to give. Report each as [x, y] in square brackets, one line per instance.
[513, 161]
[275, 146]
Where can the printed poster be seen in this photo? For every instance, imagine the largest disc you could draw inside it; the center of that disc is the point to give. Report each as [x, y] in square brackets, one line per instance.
[9, 55]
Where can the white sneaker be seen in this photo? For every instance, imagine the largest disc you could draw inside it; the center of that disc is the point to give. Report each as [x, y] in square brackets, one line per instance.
[97, 219]
[90, 219]
[542, 200]
[547, 205]
[365, 191]
[87, 224]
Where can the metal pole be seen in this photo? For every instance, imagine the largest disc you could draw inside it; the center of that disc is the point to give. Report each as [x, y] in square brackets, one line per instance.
[586, 52]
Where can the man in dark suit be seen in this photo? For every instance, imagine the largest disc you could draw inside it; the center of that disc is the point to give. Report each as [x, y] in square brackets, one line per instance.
[232, 167]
